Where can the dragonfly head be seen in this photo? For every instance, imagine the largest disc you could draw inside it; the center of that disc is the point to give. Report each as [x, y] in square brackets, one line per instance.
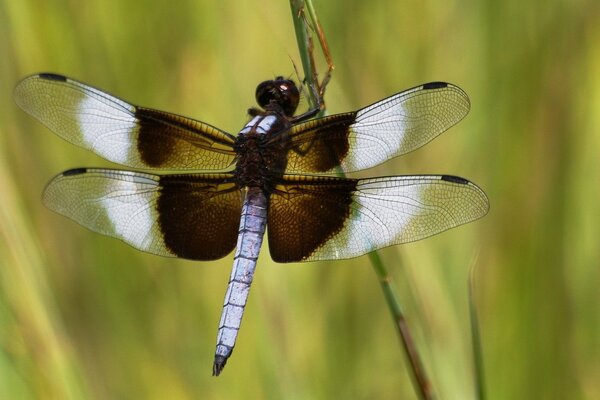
[280, 92]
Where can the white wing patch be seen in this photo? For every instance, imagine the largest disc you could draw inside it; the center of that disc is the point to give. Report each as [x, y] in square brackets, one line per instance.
[131, 212]
[115, 203]
[403, 123]
[377, 218]
[389, 120]
[103, 131]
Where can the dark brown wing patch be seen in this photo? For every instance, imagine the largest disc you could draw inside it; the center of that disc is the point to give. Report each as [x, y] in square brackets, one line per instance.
[320, 145]
[170, 140]
[305, 212]
[199, 216]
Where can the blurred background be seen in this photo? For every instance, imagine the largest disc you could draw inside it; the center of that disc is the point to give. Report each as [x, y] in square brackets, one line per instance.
[84, 316]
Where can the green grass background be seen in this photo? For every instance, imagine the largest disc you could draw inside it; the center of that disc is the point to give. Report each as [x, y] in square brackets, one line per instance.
[83, 316]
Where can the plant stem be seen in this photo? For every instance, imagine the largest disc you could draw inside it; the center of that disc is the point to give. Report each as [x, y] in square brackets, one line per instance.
[476, 338]
[419, 376]
[305, 47]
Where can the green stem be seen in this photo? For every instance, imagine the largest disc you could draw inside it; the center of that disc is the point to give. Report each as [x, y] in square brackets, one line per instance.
[421, 382]
[419, 376]
[304, 42]
[476, 339]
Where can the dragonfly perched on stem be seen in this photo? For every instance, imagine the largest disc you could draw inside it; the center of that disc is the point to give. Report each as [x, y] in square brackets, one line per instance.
[277, 177]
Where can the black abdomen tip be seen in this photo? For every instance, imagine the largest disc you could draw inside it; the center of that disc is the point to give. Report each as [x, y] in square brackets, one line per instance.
[218, 365]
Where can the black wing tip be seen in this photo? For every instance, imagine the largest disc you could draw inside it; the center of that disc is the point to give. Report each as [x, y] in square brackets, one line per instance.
[435, 85]
[462, 181]
[218, 365]
[49, 76]
[455, 179]
[21, 89]
[74, 171]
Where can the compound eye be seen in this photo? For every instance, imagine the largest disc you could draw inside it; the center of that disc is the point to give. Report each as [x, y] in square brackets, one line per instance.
[265, 92]
[282, 92]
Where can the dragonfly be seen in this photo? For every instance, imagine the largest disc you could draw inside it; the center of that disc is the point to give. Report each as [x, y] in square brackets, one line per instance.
[276, 174]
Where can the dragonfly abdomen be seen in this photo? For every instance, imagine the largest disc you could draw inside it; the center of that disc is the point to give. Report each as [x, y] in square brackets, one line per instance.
[250, 237]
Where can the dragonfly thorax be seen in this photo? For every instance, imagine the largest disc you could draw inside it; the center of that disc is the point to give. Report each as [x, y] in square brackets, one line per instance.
[261, 147]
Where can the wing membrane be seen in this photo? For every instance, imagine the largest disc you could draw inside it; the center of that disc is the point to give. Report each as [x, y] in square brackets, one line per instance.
[326, 218]
[187, 216]
[370, 136]
[121, 132]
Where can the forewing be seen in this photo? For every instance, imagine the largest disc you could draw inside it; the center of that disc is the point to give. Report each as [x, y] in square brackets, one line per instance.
[121, 132]
[384, 130]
